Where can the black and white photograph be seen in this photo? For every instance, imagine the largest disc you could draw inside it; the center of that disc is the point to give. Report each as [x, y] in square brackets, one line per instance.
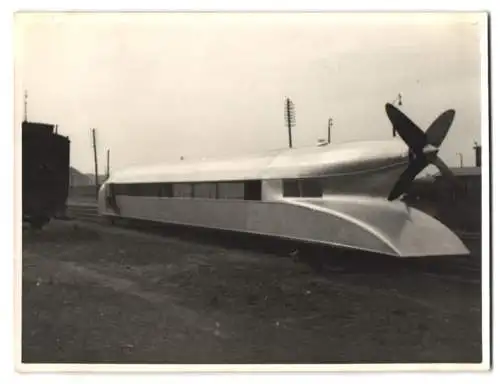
[246, 190]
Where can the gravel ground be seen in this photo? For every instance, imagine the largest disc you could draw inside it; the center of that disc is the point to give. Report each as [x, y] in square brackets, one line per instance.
[98, 294]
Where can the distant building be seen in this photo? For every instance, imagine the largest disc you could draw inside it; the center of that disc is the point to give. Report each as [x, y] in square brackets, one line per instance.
[458, 206]
[100, 178]
[469, 179]
[77, 179]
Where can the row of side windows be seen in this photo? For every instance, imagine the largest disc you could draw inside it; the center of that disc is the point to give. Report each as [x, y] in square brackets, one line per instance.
[248, 190]
[302, 188]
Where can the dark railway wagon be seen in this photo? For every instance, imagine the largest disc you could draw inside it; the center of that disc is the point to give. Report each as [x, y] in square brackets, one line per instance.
[45, 178]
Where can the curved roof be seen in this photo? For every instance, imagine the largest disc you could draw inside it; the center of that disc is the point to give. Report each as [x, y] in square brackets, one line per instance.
[286, 163]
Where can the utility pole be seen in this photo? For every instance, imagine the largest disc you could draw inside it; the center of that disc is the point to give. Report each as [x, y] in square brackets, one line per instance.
[107, 165]
[330, 124]
[477, 151]
[289, 119]
[95, 163]
[25, 105]
[461, 159]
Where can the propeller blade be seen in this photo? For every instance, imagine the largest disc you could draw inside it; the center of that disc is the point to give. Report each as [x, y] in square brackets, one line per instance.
[447, 173]
[443, 168]
[412, 135]
[439, 128]
[406, 178]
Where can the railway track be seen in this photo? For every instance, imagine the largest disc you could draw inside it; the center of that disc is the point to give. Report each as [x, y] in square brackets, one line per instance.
[467, 269]
[83, 211]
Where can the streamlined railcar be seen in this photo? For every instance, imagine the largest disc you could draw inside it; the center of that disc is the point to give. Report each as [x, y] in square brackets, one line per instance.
[334, 195]
[345, 195]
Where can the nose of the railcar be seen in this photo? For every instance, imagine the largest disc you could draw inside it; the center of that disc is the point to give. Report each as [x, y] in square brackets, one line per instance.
[101, 197]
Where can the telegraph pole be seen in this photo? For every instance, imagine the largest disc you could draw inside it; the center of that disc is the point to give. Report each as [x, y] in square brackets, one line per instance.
[289, 119]
[477, 151]
[25, 105]
[95, 163]
[330, 124]
[107, 165]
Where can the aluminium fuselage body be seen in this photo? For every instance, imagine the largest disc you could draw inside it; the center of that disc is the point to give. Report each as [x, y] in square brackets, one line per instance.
[353, 211]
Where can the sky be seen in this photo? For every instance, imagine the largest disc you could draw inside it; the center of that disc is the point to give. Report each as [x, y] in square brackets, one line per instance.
[160, 86]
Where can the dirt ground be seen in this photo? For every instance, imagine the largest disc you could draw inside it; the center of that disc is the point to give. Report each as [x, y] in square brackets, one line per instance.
[96, 294]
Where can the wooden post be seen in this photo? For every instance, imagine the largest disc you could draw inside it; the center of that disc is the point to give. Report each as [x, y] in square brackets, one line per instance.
[25, 105]
[107, 165]
[330, 123]
[289, 120]
[96, 168]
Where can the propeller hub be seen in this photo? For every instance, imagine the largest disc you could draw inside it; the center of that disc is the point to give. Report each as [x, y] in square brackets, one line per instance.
[430, 151]
[429, 148]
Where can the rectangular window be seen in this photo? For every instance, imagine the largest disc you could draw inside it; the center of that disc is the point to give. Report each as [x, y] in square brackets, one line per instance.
[149, 189]
[311, 188]
[253, 190]
[205, 190]
[231, 190]
[166, 190]
[302, 188]
[144, 189]
[124, 189]
[183, 190]
[131, 189]
[291, 188]
[113, 188]
[118, 189]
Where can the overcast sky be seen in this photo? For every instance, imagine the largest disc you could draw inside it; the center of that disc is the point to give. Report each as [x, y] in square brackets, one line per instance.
[156, 87]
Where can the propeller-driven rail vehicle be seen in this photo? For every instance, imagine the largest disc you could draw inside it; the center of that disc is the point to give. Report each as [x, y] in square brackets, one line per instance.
[344, 195]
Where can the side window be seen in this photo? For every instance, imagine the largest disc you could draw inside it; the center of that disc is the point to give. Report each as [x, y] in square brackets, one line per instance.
[111, 189]
[253, 190]
[230, 190]
[149, 189]
[311, 188]
[302, 188]
[117, 189]
[183, 190]
[165, 190]
[205, 190]
[134, 190]
[291, 188]
[120, 189]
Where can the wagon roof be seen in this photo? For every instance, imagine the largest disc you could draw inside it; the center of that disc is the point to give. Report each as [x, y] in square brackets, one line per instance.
[284, 163]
